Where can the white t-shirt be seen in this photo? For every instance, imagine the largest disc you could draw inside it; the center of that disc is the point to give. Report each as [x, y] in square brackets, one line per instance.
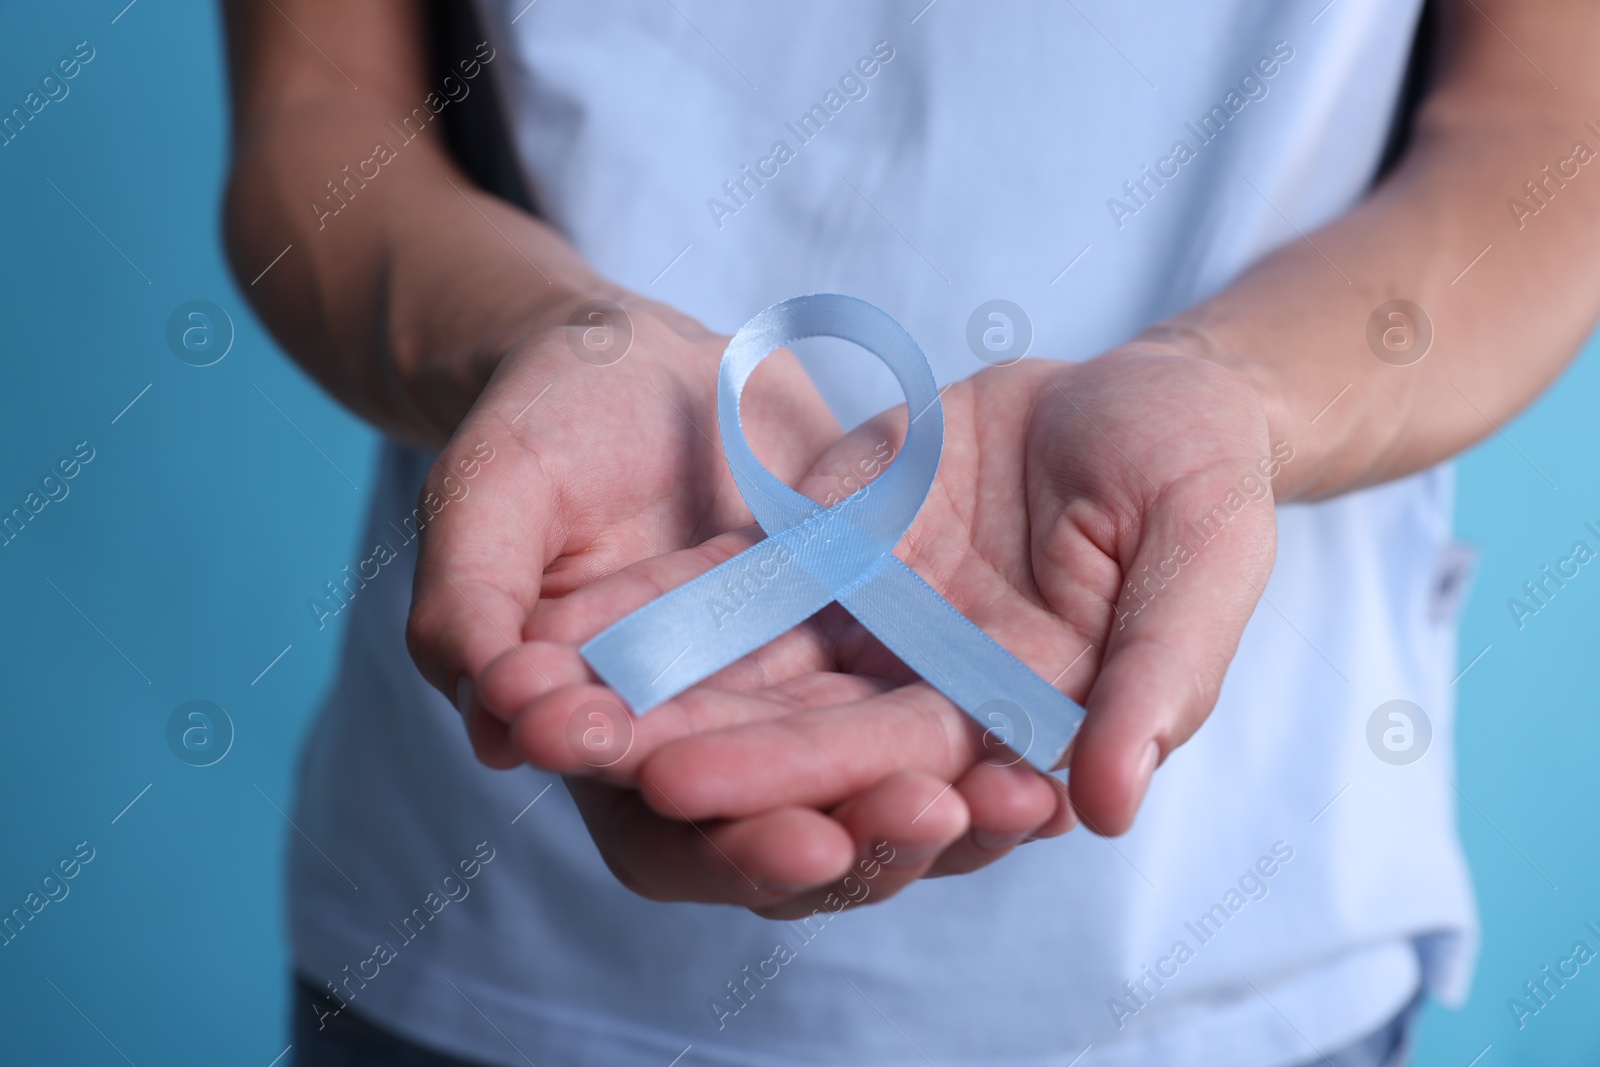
[1284, 890]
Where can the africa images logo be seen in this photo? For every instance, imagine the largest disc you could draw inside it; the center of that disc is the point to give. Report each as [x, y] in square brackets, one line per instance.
[1252, 85]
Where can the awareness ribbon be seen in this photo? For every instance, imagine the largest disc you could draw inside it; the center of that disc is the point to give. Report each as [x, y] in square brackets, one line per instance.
[813, 555]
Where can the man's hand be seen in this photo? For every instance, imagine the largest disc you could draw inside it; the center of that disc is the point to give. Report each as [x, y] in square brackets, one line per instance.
[603, 455]
[1055, 523]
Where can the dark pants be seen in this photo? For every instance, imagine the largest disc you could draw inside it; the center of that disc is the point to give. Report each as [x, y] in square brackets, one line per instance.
[348, 1040]
[1387, 1046]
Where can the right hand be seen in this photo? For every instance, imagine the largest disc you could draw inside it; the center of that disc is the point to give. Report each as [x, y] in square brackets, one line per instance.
[593, 468]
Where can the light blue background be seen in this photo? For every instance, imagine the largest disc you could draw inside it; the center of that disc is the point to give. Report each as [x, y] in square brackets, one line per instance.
[206, 520]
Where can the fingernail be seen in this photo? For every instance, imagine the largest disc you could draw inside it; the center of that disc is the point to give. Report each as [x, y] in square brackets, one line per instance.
[464, 694]
[993, 842]
[1147, 765]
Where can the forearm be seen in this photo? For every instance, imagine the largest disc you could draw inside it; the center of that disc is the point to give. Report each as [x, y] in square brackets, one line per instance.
[1297, 323]
[400, 289]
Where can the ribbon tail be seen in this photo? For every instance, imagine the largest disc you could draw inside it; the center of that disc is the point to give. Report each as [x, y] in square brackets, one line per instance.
[1000, 692]
[679, 639]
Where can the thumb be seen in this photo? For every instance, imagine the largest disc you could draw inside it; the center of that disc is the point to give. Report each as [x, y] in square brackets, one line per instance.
[1191, 586]
[485, 544]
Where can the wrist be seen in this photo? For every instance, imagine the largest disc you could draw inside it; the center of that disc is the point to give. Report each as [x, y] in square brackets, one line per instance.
[1275, 395]
[458, 297]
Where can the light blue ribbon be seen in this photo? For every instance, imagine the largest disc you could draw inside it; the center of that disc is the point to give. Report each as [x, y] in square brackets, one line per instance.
[813, 556]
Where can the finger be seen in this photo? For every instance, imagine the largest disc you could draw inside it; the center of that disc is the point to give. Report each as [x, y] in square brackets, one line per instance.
[518, 673]
[585, 729]
[1178, 625]
[753, 863]
[899, 827]
[1010, 803]
[519, 676]
[484, 543]
[565, 721]
[816, 757]
[527, 671]
[521, 673]
[1065, 819]
[491, 740]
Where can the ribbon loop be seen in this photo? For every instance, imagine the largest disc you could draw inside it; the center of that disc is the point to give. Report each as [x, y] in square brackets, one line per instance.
[813, 556]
